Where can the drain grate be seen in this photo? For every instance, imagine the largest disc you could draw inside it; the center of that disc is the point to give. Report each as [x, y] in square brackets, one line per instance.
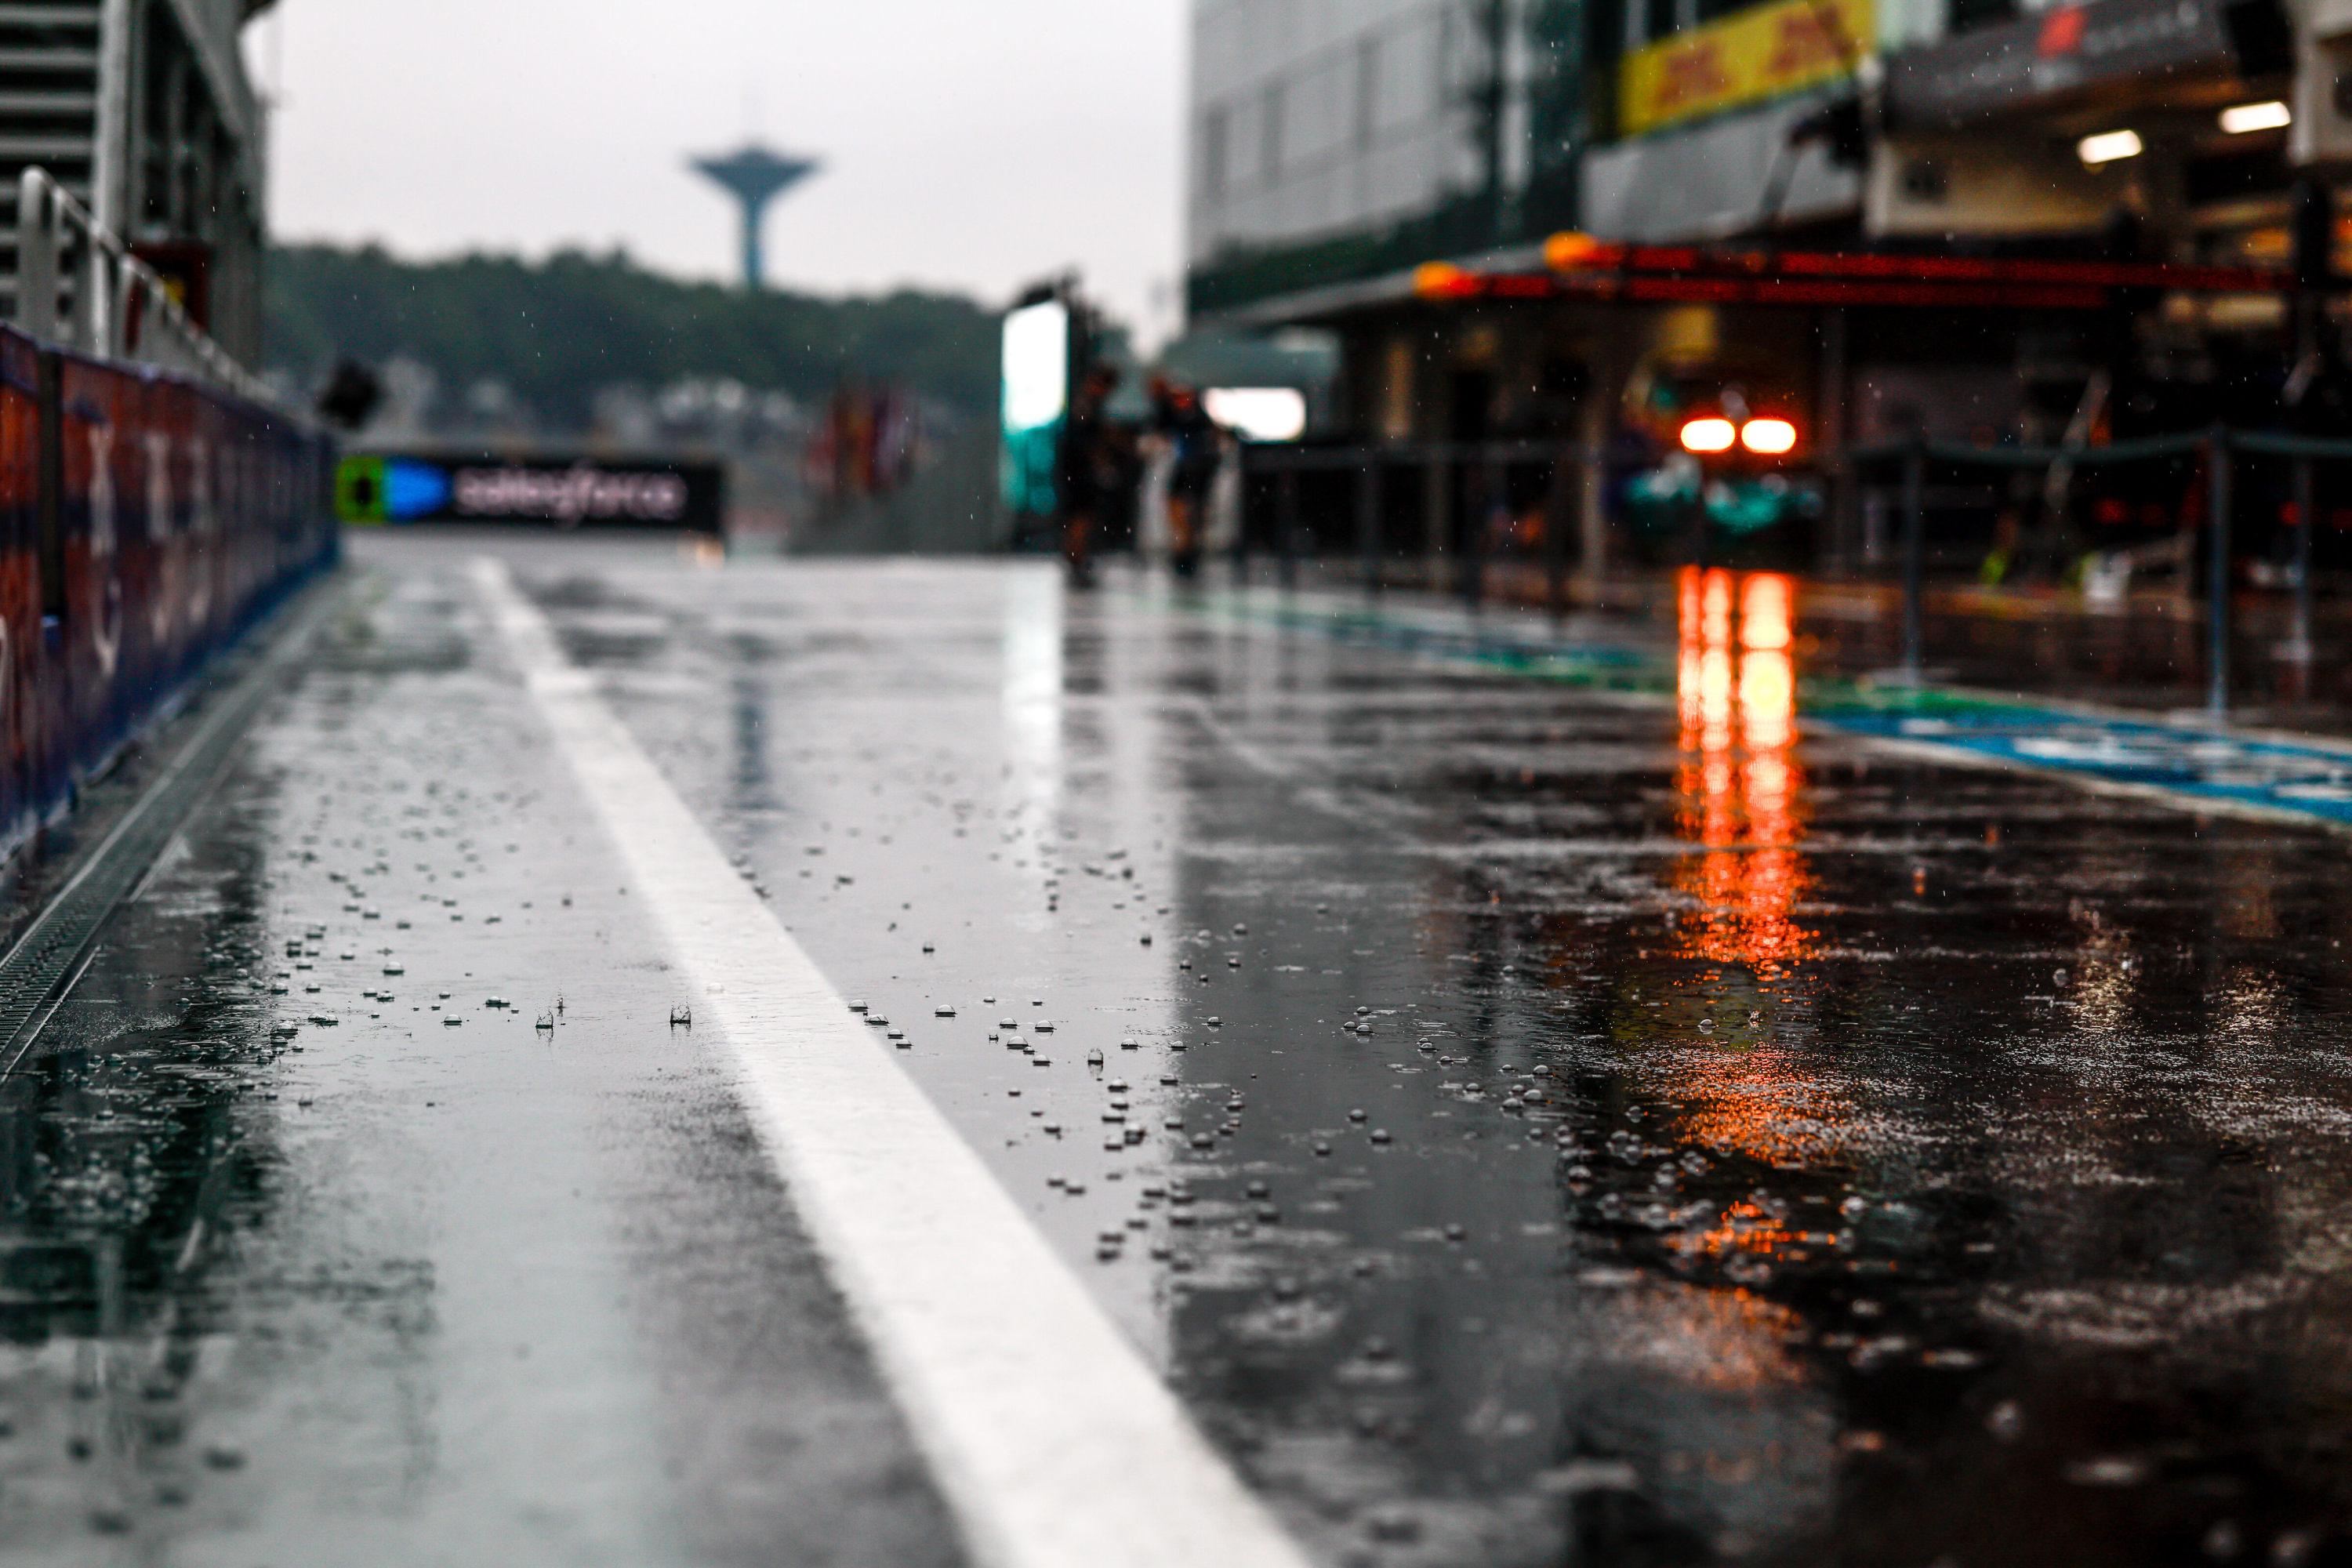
[40, 971]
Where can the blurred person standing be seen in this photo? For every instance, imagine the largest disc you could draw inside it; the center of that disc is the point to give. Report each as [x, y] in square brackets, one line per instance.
[1195, 447]
[1092, 467]
[1155, 463]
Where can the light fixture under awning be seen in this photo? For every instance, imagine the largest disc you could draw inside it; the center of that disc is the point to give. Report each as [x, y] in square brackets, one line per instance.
[2108, 146]
[2271, 115]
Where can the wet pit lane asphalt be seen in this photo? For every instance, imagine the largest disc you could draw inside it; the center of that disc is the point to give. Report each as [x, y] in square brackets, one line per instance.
[1526, 1125]
[318, 1249]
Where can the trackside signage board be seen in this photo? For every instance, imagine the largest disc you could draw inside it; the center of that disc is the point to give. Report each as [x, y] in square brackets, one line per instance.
[560, 492]
[2051, 56]
[1760, 53]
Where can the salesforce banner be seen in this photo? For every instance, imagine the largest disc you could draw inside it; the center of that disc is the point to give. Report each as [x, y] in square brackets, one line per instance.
[550, 492]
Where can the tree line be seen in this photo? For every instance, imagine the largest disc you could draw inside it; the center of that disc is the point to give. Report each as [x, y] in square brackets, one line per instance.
[556, 331]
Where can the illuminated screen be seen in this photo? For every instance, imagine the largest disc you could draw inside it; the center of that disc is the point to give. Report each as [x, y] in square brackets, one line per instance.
[1036, 395]
[1037, 365]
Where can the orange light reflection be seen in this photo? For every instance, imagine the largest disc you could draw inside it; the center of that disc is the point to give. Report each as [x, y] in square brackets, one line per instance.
[1748, 1227]
[1740, 800]
[1738, 788]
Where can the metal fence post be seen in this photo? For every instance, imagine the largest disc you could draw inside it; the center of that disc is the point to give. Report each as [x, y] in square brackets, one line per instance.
[1435, 481]
[1241, 517]
[2217, 520]
[1493, 491]
[1839, 485]
[1368, 519]
[2306, 517]
[1701, 538]
[37, 236]
[1555, 533]
[1915, 553]
[1285, 526]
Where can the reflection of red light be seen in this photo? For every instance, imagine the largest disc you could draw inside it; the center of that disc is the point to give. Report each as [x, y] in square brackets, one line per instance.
[1690, 649]
[1741, 786]
[1746, 1227]
[1741, 806]
[1768, 700]
[1712, 433]
[1716, 624]
[1715, 694]
[1764, 613]
[1769, 437]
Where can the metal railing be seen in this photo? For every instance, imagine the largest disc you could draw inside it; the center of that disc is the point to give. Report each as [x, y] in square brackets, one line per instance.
[1461, 481]
[79, 288]
[1455, 526]
[2219, 449]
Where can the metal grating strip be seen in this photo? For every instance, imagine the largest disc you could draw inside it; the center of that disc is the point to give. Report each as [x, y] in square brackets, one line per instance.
[40, 971]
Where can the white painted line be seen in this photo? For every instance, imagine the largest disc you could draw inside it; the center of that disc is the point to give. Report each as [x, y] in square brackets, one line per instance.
[1054, 1444]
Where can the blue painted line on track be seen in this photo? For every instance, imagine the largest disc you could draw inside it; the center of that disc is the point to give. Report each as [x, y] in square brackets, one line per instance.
[2197, 766]
[2191, 766]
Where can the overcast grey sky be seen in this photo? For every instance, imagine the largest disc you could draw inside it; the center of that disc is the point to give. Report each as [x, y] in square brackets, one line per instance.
[974, 144]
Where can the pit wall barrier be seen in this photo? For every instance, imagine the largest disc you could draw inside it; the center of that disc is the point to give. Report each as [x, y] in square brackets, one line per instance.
[1468, 506]
[2221, 452]
[147, 520]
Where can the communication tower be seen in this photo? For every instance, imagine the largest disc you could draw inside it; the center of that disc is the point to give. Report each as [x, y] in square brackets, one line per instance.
[754, 176]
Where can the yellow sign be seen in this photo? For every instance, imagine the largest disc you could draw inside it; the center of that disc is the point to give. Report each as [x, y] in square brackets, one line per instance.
[1760, 53]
